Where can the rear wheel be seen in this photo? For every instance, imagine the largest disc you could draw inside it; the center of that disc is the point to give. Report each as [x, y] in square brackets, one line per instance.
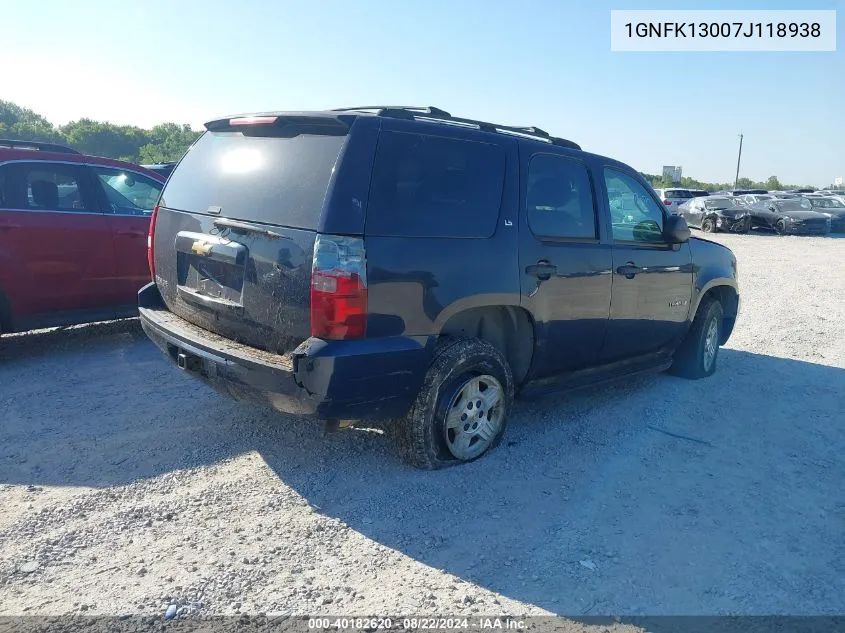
[697, 354]
[461, 411]
[780, 227]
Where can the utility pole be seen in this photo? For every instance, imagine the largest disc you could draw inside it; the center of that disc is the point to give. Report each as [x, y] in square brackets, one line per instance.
[738, 158]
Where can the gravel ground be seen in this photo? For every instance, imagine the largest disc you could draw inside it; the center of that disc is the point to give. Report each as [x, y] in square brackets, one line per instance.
[127, 487]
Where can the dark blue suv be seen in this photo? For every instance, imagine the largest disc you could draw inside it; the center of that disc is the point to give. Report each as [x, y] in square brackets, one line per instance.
[404, 265]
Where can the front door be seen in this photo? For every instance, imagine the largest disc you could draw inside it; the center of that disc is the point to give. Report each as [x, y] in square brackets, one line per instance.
[652, 280]
[565, 267]
[694, 212]
[128, 201]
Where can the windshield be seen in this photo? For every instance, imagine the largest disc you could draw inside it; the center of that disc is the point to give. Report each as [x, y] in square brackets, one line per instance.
[827, 203]
[794, 205]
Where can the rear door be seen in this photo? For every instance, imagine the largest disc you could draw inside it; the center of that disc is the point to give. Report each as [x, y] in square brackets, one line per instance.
[127, 199]
[56, 243]
[652, 280]
[235, 231]
[565, 267]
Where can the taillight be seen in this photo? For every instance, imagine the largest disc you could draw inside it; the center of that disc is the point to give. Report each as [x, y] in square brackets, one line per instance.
[150, 239]
[667, 202]
[338, 288]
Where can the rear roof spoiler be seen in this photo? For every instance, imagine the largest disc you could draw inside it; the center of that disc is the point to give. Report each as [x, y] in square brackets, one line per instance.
[428, 114]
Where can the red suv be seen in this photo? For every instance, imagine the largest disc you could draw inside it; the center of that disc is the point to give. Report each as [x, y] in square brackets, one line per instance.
[73, 235]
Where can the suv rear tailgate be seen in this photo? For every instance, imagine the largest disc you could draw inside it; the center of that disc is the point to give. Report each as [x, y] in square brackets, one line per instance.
[234, 234]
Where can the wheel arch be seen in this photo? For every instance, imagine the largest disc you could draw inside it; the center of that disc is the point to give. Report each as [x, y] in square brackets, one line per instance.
[725, 291]
[509, 328]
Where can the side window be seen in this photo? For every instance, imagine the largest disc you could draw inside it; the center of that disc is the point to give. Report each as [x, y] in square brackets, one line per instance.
[128, 193]
[430, 186]
[559, 199]
[53, 188]
[2, 188]
[636, 217]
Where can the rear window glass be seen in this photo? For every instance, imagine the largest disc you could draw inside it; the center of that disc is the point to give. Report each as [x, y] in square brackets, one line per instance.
[678, 193]
[269, 179]
[429, 186]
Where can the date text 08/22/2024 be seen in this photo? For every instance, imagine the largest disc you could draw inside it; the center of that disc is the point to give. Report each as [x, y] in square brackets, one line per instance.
[417, 623]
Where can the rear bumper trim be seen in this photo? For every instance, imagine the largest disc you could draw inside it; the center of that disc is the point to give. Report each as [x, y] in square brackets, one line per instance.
[348, 380]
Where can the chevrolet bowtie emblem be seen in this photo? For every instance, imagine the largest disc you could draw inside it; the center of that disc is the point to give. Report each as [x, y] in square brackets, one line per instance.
[201, 248]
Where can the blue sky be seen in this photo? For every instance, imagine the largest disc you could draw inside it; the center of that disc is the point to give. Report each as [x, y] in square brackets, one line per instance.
[534, 62]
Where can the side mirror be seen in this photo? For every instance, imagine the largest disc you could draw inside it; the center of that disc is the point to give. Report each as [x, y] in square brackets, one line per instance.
[676, 231]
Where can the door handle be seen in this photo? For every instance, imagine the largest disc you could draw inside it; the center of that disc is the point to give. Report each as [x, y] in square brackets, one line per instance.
[542, 270]
[629, 270]
[132, 233]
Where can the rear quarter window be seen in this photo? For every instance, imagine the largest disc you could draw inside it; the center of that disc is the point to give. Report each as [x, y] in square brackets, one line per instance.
[432, 186]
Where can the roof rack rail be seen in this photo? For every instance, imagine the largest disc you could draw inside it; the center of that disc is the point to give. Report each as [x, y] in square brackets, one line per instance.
[36, 145]
[384, 110]
[437, 115]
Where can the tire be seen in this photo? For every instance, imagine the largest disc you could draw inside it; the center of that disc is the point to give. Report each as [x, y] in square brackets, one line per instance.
[424, 437]
[696, 358]
[708, 225]
[780, 227]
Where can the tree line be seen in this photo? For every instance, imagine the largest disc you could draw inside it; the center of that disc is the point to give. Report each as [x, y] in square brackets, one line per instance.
[162, 143]
[770, 184]
[169, 141]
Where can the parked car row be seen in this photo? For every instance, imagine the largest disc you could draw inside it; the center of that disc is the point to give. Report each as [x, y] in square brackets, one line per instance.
[73, 235]
[739, 211]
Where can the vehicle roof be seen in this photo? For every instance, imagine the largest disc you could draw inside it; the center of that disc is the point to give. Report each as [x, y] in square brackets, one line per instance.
[62, 157]
[532, 136]
[418, 114]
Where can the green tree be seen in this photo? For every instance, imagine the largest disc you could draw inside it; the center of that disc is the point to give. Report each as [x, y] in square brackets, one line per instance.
[25, 125]
[105, 139]
[169, 142]
[773, 184]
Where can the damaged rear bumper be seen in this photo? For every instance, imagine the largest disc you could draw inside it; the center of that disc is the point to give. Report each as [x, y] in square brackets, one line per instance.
[368, 379]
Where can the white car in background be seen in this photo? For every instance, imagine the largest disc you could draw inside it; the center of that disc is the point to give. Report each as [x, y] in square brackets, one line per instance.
[673, 198]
